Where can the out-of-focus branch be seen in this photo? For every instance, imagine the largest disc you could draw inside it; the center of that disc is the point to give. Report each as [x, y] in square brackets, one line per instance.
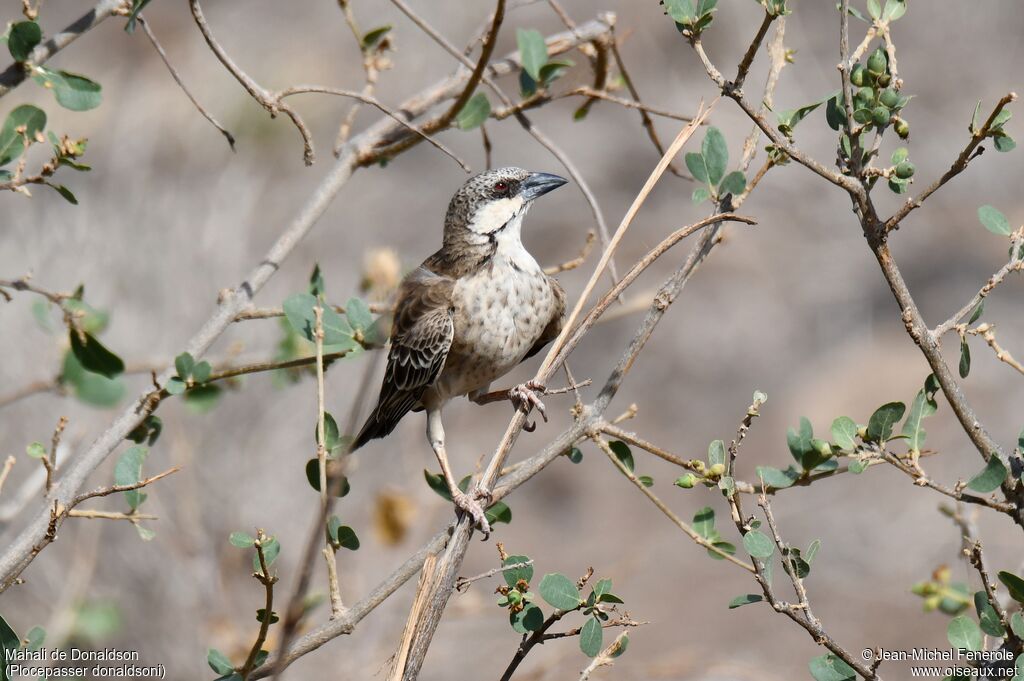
[177, 79]
[256, 91]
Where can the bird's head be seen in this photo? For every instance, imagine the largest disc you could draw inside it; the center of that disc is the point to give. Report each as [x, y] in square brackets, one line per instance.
[491, 200]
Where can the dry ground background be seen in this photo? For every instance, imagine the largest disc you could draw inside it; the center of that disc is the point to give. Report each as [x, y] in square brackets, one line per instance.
[795, 307]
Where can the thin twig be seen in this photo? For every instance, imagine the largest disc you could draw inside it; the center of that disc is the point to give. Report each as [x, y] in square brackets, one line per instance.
[8, 465]
[177, 79]
[267, 580]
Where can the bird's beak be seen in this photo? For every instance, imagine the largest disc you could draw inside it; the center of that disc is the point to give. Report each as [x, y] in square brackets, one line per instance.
[538, 184]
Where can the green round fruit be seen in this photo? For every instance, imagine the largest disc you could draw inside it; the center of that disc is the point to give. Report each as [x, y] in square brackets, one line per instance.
[880, 115]
[686, 481]
[904, 170]
[718, 469]
[859, 75]
[884, 79]
[877, 62]
[865, 97]
[902, 128]
[889, 98]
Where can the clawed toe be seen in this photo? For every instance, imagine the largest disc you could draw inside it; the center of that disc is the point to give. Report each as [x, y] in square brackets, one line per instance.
[474, 508]
[525, 397]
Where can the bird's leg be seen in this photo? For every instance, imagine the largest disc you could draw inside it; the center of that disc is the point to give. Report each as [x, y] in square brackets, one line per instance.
[465, 502]
[524, 396]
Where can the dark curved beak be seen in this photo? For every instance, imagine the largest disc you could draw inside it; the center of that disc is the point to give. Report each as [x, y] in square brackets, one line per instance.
[539, 184]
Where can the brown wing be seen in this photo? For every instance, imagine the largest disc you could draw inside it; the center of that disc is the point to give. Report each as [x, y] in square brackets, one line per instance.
[421, 336]
[554, 327]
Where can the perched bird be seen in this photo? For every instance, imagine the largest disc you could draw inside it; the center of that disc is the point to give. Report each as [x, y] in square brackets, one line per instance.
[469, 314]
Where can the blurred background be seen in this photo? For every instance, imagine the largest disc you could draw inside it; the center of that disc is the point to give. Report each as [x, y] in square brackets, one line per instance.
[795, 307]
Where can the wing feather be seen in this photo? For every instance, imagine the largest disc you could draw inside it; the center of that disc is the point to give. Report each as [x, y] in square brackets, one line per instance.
[421, 336]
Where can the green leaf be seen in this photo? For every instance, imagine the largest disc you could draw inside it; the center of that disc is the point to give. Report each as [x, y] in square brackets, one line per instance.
[530, 618]
[735, 183]
[475, 112]
[988, 619]
[554, 69]
[696, 165]
[559, 591]
[498, 512]
[202, 398]
[716, 452]
[745, 599]
[332, 434]
[532, 51]
[128, 471]
[261, 615]
[201, 372]
[645, 480]
[575, 455]
[716, 154]
[241, 540]
[880, 425]
[844, 433]
[681, 11]
[175, 386]
[874, 9]
[9, 641]
[704, 523]
[602, 587]
[22, 38]
[994, 220]
[831, 668]
[12, 144]
[271, 550]
[812, 551]
[962, 632]
[219, 662]
[137, 6]
[894, 9]
[700, 195]
[965, 358]
[1017, 624]
[990, 477]
[799, 441]
[340, 488]
[73, 91]
[90, 388]
[923, 406]
[36, 450]
[184, 363]
[622, 453]
[723, 547]
[591, 637]
[976, 315]
[374, 36]
[358, 313]
[899, 156]
[513, 576]
[758, 545]
[346, 538]
[65, 193]
[94, 356]
[35, 638]
[301, 314]
[835, 112]
[787, 120]
[437, 483]
[773, 477]
[1004, 142]
[1014, 585]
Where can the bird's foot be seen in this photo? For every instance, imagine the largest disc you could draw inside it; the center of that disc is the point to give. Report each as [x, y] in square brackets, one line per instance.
[471, 504]
[526, 397]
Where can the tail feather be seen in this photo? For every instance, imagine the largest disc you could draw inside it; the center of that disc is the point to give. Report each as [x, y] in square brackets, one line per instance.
[385, 417]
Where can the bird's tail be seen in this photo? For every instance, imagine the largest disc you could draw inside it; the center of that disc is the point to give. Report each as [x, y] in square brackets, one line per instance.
[385, 416]
[372, 429]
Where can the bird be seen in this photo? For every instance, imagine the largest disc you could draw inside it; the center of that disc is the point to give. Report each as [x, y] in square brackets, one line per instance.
[468, 315]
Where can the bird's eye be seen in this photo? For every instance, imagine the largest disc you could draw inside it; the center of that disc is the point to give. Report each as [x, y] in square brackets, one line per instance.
[500, 186]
